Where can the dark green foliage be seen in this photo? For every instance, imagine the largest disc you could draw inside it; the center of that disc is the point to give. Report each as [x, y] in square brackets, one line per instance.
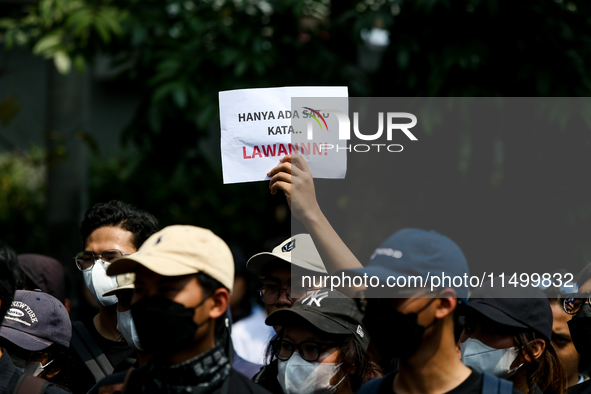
[179, 54]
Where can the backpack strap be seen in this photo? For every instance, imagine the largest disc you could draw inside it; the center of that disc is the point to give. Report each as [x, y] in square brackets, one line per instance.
[90, 352]
[492, 384]
[28, 384]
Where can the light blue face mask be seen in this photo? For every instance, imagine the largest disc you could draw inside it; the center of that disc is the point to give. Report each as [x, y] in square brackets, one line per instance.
[483, 358]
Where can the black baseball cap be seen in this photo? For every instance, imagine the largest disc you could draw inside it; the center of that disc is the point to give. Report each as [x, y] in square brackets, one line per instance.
[519, 307]
[35, 321]
[328, 311]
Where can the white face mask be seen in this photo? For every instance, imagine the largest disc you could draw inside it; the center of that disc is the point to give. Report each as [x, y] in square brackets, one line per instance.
[126, 327]
[483, 358]
[97, 282]
[35, 368]
[298, 376]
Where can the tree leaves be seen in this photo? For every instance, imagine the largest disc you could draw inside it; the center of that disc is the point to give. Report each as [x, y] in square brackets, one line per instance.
[65, 30]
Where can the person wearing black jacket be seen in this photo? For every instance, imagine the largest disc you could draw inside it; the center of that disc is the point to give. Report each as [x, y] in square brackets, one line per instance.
[184, 276]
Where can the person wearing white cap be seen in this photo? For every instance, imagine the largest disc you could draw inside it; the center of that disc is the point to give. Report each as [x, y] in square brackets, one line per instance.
[184, 276]
[281, 271]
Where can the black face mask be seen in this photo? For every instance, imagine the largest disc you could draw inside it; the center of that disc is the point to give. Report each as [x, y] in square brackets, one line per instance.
[164, 326]
[580, 330]
[397, 335]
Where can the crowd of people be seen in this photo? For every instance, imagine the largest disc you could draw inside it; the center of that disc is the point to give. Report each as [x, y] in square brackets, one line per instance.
[171, 317]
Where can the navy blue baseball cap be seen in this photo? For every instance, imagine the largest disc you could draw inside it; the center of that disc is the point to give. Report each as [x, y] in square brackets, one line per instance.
[412, 253]
[35, 321]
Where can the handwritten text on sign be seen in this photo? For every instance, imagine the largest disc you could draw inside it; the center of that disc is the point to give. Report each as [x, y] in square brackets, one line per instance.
[259, 126]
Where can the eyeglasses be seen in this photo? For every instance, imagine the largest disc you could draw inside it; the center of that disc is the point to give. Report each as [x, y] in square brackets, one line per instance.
[85, 260]
[270, 293]
[309, 351]
[572, 303]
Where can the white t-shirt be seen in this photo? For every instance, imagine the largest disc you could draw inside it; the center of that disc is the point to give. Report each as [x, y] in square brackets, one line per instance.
[250, 336]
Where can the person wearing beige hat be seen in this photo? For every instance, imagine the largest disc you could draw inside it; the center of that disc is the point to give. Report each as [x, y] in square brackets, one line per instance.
[184, 277]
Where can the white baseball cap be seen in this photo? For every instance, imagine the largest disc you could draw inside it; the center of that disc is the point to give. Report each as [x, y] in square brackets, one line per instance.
[298, 250]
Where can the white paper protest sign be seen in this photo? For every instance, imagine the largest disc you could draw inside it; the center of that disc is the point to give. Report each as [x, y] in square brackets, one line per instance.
[259, 126]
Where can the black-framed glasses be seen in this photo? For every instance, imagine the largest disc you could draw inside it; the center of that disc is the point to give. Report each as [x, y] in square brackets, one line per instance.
[270, 293]
[85, 260]
[308, 350]
[572, 303]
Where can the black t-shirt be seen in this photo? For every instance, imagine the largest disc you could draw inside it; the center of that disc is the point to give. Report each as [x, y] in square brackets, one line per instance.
[472, 385]
[119, 354]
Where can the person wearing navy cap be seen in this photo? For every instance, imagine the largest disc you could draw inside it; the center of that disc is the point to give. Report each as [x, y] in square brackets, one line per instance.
[12, 379]
[416, 324]
[36, 331]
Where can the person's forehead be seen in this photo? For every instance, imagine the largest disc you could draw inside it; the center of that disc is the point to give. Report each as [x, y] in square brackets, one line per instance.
[586, 287]
[300, 333]
[108, 237]
[281, 274]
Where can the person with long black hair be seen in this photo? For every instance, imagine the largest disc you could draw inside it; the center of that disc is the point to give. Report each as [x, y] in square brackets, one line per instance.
[320, 347]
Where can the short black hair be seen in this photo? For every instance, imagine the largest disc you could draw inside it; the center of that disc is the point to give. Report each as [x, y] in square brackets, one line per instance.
[207, 283]
[9, 273]
[119, 214]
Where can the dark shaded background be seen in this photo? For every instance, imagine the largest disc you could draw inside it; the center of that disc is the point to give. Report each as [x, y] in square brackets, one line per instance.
[503, 177]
